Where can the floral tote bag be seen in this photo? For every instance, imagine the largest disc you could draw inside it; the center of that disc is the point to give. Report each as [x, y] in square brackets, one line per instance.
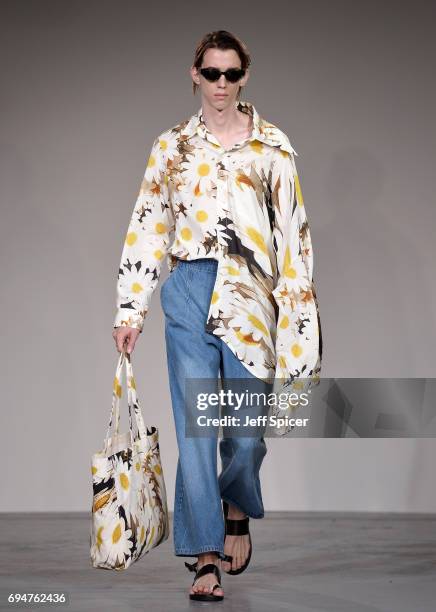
[129, 500]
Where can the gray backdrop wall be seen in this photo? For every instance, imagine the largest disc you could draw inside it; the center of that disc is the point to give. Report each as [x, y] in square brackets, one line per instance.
[86, 87]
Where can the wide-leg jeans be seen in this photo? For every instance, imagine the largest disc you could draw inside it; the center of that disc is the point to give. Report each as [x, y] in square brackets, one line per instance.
[193, 352]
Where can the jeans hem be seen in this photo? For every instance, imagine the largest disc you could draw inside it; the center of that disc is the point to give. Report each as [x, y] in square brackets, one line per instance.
[254, 516]
[183, 552]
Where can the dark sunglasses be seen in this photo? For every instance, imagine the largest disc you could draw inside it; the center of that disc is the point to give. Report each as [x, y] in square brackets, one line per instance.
[213, 74]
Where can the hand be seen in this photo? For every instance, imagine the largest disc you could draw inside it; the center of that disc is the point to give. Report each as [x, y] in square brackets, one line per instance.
[125, 338]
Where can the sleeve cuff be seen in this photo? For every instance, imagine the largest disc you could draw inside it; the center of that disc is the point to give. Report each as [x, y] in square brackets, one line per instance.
[129, 318]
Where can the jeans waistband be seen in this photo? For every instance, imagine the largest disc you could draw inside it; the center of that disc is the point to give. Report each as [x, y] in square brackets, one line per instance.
[202, 263]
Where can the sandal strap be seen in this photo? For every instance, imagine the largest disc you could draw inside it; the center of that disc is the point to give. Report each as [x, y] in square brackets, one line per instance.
[208, 568]
[237, 527]
[192, 567]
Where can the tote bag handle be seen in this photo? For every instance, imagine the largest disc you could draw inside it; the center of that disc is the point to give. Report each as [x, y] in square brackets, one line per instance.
[132, 399]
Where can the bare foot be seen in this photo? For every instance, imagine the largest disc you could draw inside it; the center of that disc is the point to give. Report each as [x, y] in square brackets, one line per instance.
[236, 546]
[205, 583]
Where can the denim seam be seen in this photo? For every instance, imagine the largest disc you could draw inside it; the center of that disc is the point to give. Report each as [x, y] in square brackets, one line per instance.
[165, 286]
[181, 269]
[180, 504]
[188, 284]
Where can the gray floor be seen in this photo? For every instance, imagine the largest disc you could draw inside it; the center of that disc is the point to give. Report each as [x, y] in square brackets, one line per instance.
[301, 562]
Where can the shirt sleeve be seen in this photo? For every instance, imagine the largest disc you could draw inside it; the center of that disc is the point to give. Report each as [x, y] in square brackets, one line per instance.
[146, 244]
[298, 339]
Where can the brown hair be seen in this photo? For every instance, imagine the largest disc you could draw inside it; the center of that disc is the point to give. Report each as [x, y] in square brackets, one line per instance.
[220, 39]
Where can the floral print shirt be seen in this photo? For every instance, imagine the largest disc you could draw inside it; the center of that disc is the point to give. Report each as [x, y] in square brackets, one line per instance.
[244, 207]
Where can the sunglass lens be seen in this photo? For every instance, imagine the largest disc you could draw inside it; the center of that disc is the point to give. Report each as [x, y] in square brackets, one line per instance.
[233, 75]
[211, 74]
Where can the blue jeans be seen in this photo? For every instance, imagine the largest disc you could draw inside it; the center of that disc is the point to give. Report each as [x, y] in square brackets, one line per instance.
[193, 352]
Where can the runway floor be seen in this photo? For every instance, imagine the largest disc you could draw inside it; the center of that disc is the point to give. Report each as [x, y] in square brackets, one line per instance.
[302, 562]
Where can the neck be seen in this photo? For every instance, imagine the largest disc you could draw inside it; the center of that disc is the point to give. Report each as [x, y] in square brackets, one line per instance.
[226, 120]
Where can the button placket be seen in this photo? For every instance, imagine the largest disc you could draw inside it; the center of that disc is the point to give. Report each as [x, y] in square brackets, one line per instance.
[222, 192]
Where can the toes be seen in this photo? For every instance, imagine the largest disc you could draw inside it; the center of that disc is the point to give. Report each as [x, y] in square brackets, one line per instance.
[204, 588]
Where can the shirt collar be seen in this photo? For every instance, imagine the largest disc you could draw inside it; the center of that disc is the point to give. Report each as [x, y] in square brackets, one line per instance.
[263, 131]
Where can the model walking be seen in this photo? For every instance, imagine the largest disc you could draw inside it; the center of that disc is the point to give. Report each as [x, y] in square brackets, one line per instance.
[239, 301]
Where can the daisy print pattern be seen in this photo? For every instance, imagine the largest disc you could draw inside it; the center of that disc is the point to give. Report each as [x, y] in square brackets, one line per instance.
[124, 515]
[244, 207]
[129, 503]
[120, 542]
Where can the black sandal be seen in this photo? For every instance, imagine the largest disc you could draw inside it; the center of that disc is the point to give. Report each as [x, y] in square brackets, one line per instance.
[237, 527]
[208, 568]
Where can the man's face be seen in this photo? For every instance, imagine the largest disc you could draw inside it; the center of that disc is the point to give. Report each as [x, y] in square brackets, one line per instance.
[220, 94]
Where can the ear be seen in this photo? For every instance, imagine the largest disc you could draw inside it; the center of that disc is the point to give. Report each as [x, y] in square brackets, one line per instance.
[244, 79]
[195, 75]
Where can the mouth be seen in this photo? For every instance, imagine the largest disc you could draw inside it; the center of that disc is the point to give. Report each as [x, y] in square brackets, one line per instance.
[220, 95]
